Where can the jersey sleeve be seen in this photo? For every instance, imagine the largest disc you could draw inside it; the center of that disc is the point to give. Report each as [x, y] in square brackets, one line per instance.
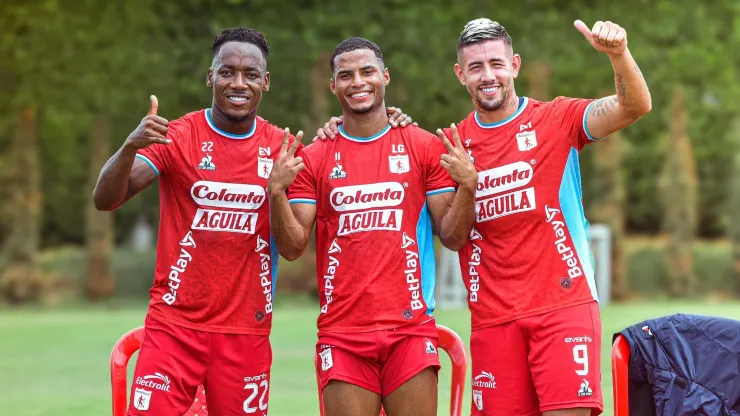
[438, 179]
[159, 156]
[572, 114]
[303, 189]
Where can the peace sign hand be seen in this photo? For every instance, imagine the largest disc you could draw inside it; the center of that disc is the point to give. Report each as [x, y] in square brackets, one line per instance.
[457, 162]
[286, 167]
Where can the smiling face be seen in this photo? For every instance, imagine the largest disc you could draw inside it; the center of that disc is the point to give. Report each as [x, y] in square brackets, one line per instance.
[238, 78]
[487, 70]
[359, 81]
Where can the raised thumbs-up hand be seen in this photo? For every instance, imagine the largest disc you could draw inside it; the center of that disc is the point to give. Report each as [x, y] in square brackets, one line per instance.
[606, 37]
[152, 129]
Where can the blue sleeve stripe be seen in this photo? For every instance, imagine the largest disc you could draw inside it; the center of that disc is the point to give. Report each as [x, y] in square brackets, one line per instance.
[440, 191]
[148, 162]
[302, 201]
[585, 123]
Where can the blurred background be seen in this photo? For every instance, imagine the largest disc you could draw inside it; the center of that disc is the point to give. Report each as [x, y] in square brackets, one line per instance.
[75, 80]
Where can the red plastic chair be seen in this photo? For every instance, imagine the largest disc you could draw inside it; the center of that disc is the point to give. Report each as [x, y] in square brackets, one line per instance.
[620, 371]
[451, 343]
[126, 346]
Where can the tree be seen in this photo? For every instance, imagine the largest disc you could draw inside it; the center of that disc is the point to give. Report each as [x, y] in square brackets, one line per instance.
[678, 184]
[734, 208]
[19, 280]
[99, 283]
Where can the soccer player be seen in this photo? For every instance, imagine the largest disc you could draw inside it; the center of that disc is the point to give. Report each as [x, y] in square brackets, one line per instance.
[536, 339]
[210, 312]
[536, 330]
[376, 194]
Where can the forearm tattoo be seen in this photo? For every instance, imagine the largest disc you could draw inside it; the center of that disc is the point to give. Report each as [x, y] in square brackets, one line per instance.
[621, 88]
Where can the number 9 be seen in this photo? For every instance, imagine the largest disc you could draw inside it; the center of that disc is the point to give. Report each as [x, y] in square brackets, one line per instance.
[580, 356]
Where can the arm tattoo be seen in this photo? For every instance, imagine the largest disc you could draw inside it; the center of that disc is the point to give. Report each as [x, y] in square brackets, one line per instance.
[604, 106]
[637, 68]
[621, 88]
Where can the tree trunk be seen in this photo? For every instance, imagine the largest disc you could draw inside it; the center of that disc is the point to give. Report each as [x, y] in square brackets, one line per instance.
[734, 208]
[20, 281]
[99, 283]
[679, 192]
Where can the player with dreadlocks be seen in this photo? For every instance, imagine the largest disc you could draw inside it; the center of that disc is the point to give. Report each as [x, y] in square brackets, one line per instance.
[211, 303]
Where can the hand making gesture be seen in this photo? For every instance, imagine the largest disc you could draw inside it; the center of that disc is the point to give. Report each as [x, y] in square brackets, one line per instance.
[287, 166]
[606, 37]
[457, 162]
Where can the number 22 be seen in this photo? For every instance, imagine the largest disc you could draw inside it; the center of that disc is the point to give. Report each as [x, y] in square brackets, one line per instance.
[580, 356]
[255, 390]
[207, 146]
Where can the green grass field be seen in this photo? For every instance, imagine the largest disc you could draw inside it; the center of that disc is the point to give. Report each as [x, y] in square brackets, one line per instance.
[55, 361]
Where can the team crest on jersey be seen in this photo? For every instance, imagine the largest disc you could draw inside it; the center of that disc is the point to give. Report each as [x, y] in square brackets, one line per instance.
[141, 399]
[337, 172]
[478, 399]
[264, 167]
[326, 359]
[207, 163]
[526, 140]
[399, 163]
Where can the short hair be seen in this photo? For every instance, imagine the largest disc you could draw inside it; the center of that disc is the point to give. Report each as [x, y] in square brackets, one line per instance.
[353, 44]
[241, 34]
[481, 30]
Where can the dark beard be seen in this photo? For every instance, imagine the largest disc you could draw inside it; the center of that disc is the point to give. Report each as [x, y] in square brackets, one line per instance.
[363, 110]
[234, 119]
[497, 105]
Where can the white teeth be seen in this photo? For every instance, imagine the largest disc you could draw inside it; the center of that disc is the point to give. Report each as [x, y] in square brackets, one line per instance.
[490, 89]
[360, 94]
[238, 99]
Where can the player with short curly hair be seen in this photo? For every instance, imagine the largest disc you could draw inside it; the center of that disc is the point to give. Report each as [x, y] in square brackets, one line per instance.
[211, 304]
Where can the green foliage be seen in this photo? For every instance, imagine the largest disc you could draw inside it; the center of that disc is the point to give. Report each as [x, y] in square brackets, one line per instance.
[734, 207]
[678, 189]
[648, 275]
[134, 270]
[74, 60]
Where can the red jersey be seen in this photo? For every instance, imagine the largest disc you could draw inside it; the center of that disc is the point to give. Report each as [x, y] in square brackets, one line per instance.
[528, 253]
[374, 244]
[216, 262]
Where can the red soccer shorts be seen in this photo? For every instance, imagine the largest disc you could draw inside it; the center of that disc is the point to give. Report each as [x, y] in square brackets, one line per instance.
[173, 361]
[379, 361]
[540, 363]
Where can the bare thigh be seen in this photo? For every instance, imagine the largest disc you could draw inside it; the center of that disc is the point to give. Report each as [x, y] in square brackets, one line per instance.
[416, 397]
[345, 399]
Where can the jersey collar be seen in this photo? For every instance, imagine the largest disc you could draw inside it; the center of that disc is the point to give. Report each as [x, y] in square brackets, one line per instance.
[365, 139]
[523, 101]
[226, 134]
